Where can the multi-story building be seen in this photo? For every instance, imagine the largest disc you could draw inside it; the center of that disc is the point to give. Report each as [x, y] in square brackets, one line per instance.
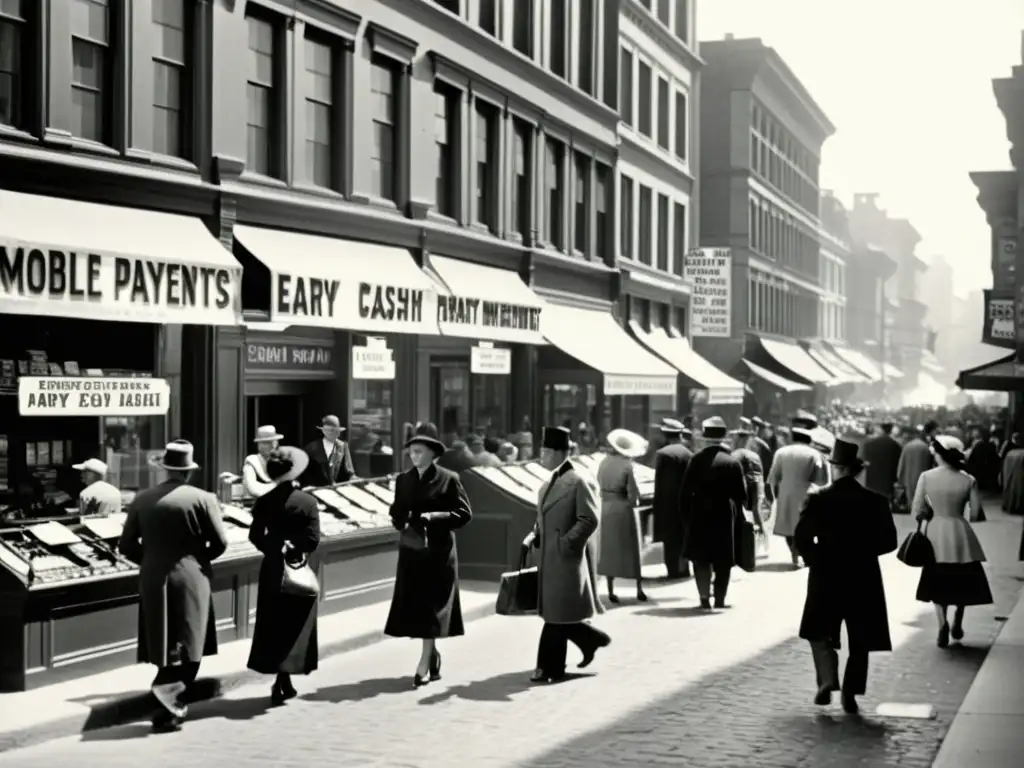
[761, 140]
[937, 292]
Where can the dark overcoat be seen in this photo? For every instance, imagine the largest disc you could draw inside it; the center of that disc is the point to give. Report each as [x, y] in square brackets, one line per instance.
[285, 637]
[712, 498]
[882, 452]
[844, 528]
[174, 532]
[425, 603]
[670, 465]
[318, 473]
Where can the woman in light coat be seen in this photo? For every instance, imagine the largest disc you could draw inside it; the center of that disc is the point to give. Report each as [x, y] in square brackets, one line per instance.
[621, 538]
[255, 478]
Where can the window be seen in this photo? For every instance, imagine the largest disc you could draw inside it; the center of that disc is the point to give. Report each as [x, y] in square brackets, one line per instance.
[664, 116]
[170, 77]
[553, 168]
[626, 85]
[645, 223]
[586, 34]
[488, 16]
[522, 26]
[260, 93]
[13, 43]
[372, 423]
[682, 118]
[644, 105]
[558, 30]
[486, 124]
[383, 82]
[445, 101]
[682, 21]
[522, 139]
[626, 216]
[679, 238]
[580, 217]
[91, 78]
[452, 6]
[319, 113]
[664, 11]
[663, 230]
[602, 197]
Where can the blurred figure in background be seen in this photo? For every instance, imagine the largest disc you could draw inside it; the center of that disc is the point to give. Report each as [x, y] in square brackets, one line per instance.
[670, 463]
[882, 456]
[621, 538]
[1013, 476]
[481, 456]
[915, 459]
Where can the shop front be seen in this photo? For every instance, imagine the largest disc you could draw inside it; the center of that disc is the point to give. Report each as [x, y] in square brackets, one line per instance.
[844, 376]
[771, 396]
[787, 359]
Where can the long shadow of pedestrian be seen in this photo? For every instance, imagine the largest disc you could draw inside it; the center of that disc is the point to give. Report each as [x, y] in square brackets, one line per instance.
[498, 689]
[361, 690]
[678, 612]
[226, 709]
[775, 568]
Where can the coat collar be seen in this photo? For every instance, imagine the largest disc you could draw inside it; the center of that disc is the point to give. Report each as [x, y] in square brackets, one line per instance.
[557, 487]
[427, 476]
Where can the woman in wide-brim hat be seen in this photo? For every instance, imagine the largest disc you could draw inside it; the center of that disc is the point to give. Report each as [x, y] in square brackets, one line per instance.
[430, 505]
[620, 540]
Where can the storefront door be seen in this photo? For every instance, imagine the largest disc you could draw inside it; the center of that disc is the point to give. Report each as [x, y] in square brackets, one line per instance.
[282, 411]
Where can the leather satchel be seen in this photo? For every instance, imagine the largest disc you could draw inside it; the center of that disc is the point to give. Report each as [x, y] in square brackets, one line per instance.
[746, 544]
[916, 550]
[299, 579]
[517, 594]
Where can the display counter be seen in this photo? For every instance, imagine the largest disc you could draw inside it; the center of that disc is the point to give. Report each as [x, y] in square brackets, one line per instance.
[504, 501]
[69, 601]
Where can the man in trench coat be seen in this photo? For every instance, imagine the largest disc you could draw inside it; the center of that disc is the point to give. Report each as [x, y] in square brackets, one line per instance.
[882, 459]
[796, 468]
[567, 517]
[174, 532]
[670, 463]
[843, 530]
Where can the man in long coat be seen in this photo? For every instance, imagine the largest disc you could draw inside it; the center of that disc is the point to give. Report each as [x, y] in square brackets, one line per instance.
[712, 498]
[882, 456]
[568, 512]
[796, 468]
[670, 463]
[759, 445]
[843, 530]
[1012, 476]
[915, 459]
[174, 532]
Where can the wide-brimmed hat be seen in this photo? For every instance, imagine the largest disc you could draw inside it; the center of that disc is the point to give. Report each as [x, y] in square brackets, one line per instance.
[714, 428]
[331, 422]
[178, 456]
[91, 465]
[950, 448]
[294, 460]
[267, 434]
[672, 427]
[626, 443]
[426, 434]
[847, 454]
[824, 439]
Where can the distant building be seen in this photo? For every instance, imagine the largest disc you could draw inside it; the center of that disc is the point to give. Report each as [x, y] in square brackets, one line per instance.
[938, 294]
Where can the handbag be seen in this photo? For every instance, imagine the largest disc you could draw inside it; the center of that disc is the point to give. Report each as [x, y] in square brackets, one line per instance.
[413, 539]
[517, 594]
[916, 551]
[746, 549]
[299, 579]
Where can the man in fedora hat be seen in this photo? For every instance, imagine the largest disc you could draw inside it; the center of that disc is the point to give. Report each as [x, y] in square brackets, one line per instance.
[795, 469]
[670, 463]
[98, 497]
[330, 460]
[844, 528]
[174, 532]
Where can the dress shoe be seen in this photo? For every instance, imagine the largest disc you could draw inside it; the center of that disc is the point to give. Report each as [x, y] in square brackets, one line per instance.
[720, 603]
[613, 598]
[823, 697]
[705, 603]
[850, 705]
[540, 676]
[435, 666]
[280, 693]
[641, 597]
[588, 655]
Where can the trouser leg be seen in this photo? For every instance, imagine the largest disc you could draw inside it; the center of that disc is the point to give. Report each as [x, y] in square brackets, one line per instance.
[826, 665]
[723, 574]
[702, 575]
[674, 558]
[855, 676]
[552, 649]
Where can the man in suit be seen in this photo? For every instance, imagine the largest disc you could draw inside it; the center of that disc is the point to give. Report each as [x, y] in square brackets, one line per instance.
[796, 468]
[759, 445]
[670, 463]
[882, 458]
[712, 498]
[915, 459]
[843, 530]
[174, 532]
[330, 460]
[567, 518]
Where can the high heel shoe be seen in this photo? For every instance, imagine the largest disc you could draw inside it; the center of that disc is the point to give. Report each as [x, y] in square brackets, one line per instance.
[957, 632]
[613, 598]
[435, 666]
[418, 680]
[943, 639]
[641, 597]
[279, 694]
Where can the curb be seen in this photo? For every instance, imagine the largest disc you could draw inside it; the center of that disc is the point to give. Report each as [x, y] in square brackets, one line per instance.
[138, 706]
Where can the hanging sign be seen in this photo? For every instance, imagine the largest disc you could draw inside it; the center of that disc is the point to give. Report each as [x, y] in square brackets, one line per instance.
[38, 280]
[92, 396]
[269, 356]
[709, 270]
[998, 326]
[468, 317]
[485, 359]
[374, 361]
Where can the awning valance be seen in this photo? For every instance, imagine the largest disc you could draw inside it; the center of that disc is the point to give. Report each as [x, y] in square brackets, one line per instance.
[332, 283]
[794, 360]
[481, 302]
[105, 262]
[859, 362]
[773, 379]
[696, 371]
[1003, 375]
[596, 339]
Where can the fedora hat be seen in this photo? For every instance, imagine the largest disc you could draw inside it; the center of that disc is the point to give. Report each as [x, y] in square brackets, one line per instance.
[714, 428]
[671, 427]
[846, 454]
[291, 462]
[823, 439]
[267, 434]
[626, 443]
[426, 434]
[177, 457]
[331, 422]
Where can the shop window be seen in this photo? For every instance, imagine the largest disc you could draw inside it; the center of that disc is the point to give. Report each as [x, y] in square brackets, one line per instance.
[445, 140]
[92, 51]
[570, 405]
[491, 417]
[372, 425]
[522, 137]
[634, 413]
[129, 442]
[171, 77]
[15, 32]
[263, 97]
[383, 109]
[662, 407]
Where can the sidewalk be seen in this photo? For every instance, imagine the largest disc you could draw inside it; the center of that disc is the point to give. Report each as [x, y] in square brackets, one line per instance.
[120, 695]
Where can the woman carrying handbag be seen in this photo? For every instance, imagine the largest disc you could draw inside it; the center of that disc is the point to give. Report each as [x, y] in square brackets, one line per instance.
[430, 505]
[286, 529]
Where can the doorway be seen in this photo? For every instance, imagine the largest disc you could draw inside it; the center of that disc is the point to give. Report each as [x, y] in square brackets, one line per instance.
[284, 412]
[449, 398]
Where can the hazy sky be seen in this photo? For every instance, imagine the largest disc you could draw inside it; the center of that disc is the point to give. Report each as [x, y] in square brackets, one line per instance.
[908, 85]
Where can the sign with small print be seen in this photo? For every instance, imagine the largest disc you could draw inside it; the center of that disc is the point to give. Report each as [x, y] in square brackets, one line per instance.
[284, 356]
[709, 270]
[998, 328]
[488, 360]
[92, 396]
[374, 361]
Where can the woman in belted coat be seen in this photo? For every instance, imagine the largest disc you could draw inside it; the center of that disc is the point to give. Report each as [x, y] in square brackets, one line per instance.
[430, 505]
[621, 539]
[286, 529]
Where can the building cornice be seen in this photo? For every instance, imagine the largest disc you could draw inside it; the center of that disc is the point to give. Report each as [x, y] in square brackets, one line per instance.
[997, 194]
[1009, 93]
[649, 25]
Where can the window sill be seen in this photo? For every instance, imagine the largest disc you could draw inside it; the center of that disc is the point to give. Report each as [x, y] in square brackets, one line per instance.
[11, 133]
[318, 191]
[262, 180]
[482, 228]
[440, 218]
[376, 202]
[93, 147]
[163, 161]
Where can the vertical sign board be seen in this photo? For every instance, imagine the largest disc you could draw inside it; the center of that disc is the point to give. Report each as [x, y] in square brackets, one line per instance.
[998, 329]
[709, 270]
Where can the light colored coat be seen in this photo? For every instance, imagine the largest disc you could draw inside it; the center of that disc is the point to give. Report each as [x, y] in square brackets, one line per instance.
[794, 469]
[567, 518]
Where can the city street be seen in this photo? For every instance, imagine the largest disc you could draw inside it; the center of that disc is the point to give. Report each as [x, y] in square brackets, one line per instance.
[676, 687]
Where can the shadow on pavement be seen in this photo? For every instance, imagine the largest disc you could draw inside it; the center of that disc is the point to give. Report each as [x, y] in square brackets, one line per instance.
[362, 690]
[776, 568]
[497, 689]
[131, 706]
[679, 612]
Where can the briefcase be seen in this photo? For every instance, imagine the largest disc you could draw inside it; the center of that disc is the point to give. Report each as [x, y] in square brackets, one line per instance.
[517, 595]
[746, 545]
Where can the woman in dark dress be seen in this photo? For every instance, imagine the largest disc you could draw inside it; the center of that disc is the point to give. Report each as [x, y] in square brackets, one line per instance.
[430, 504]
[285, 528]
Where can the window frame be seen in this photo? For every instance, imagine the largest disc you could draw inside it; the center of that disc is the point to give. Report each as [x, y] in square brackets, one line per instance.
[393, 68]
[24, 81]
[643, 61]
[335, 109]
[452, 98]
[485, 194]
[581, 167]
[645, 231]
[627, 102]
[186, 75]
[275, 96]
[108, 78]
[681, 124]
[664, 125]
[521, 192]
[627, 215]
[554, 184]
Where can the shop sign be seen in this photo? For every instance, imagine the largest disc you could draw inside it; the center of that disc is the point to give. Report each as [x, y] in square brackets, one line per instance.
[998, 329]
[374, 361]
[41, 280]
[478, 318]
[709, 270]
[487, 360]
[639, 385]
[268, 356]
[92, 396]
[352, 305]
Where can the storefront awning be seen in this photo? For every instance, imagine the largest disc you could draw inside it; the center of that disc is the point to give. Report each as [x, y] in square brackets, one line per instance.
[696, 371]
[841, 372]
[104, 262]
[794, 360]
[596, 339]
[773, 379]
[332, 283]
[859, 362]
[481, 302]
[1003, 375]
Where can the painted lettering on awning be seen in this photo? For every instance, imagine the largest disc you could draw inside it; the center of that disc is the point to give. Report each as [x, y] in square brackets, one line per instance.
[459, 310]
[390, 303]
[300, 296]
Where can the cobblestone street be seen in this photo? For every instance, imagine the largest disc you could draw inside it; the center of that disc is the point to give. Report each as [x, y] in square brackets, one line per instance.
[677, 687]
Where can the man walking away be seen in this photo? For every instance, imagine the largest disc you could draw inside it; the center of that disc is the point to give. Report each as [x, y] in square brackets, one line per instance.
[1013, 477]
[670, 463]
[796, 468]
[843, 530]
[882, 458]
[915, 459]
